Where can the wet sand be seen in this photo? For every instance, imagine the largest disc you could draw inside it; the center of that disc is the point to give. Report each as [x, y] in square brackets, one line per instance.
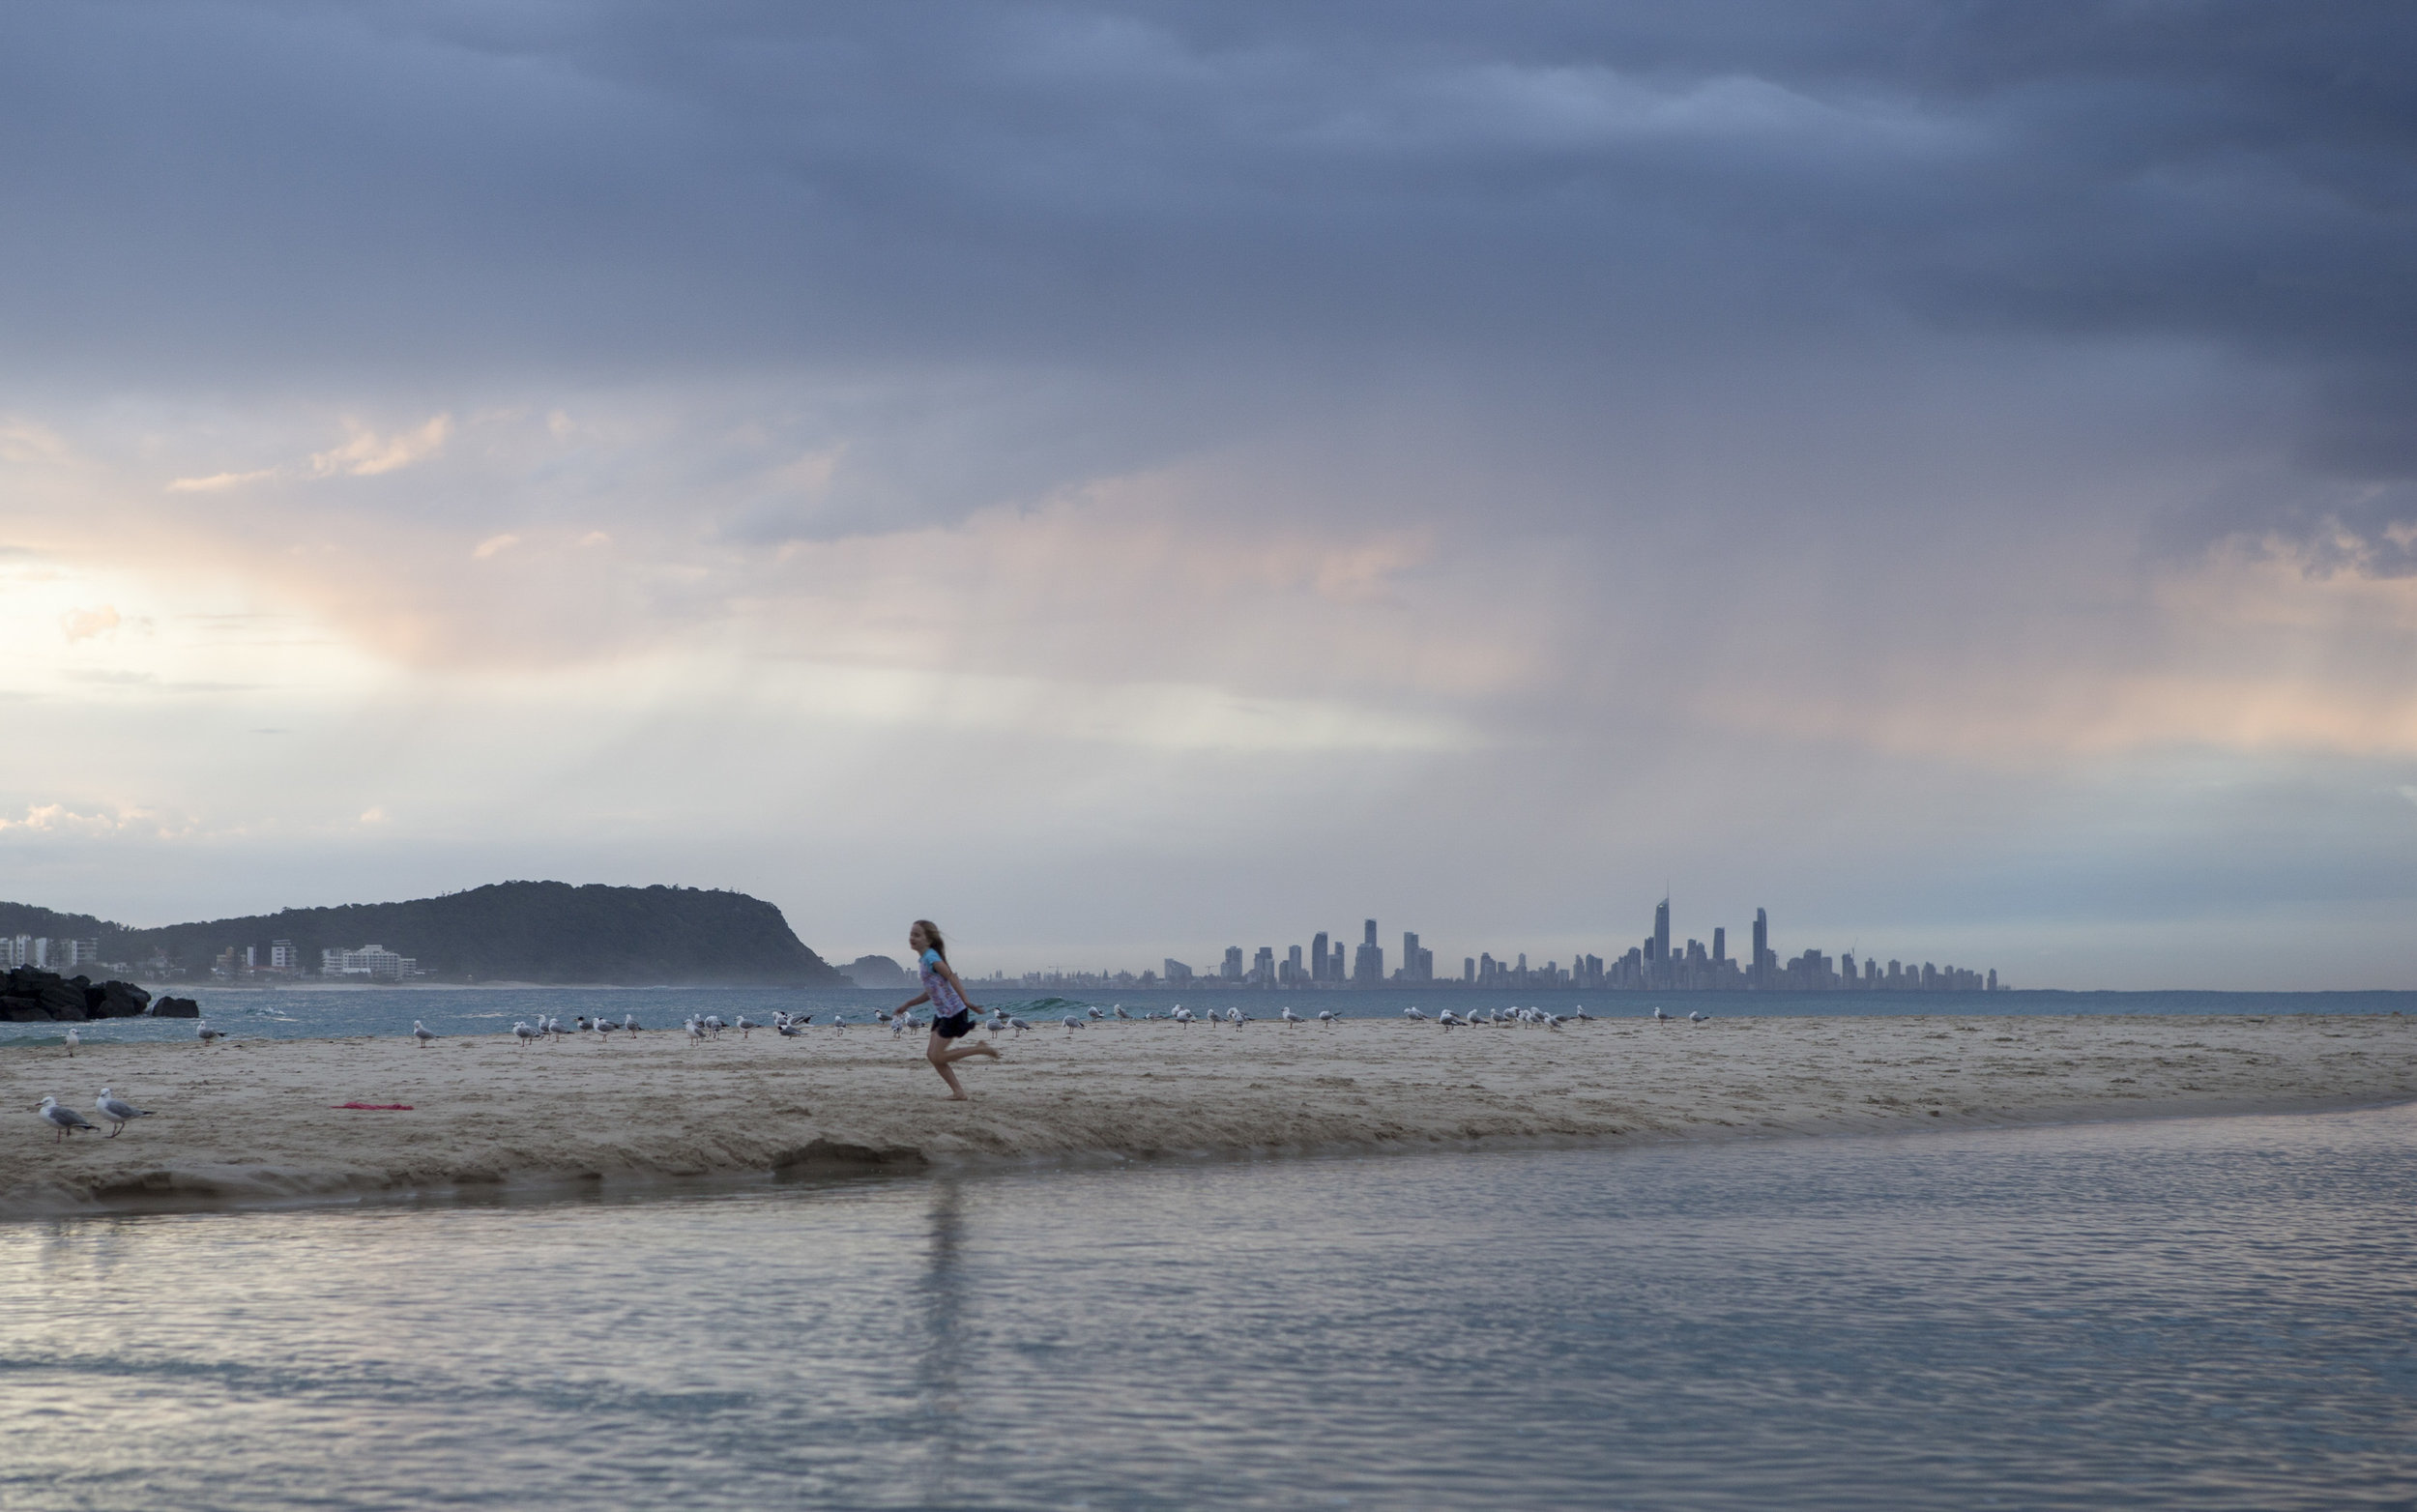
[251, 1121]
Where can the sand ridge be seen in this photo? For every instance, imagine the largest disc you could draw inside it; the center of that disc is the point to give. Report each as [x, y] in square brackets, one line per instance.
[252, 1121]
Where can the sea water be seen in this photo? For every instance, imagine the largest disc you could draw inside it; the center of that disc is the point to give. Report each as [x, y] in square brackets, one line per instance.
[2210, 1313]
[319, 1012]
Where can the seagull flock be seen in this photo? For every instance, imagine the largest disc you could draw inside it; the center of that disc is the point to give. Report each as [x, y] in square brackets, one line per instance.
[698, 1028]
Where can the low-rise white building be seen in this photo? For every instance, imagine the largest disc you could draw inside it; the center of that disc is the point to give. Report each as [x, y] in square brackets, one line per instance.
[373, 961]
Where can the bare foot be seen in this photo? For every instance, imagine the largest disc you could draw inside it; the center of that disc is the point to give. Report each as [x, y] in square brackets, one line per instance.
[991, 1050]
[956, 1097]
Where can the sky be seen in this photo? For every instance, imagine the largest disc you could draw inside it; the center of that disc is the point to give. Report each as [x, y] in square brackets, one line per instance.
[1126, 481]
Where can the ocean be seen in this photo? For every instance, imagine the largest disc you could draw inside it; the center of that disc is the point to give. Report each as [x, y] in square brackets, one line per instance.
[2200, 1313]
[307, 1013]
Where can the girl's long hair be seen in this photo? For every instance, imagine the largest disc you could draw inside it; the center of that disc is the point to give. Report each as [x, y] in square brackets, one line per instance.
[931, 932]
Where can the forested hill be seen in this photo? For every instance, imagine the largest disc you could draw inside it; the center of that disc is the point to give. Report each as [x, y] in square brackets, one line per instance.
[513, 931]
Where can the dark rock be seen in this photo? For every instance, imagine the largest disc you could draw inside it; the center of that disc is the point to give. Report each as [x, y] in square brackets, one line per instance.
[23, 1010]
[25, 981]
[116, 1000]
[64, 999]
[175, 1009]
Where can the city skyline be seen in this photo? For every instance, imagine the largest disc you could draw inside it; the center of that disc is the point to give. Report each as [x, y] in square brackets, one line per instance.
[1658, 963]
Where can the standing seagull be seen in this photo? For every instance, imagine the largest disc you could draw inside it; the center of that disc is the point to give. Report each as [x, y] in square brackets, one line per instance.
[205, 1033]
[72, 1040]
[629, 1022]
[524, 1033]
[606, 1028]
[696, 1031]
[1120, 1013]
[1413, 1013]
[1290, 1017]
[1326, 1016]
[1695, 1015]
[1659, 1017]
[118, 1111]
[422, 1033]
[63, 1118]
[1072, 1022]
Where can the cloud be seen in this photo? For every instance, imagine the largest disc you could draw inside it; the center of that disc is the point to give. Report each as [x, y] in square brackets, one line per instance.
[219, 482]
[367, 455]
[85, 623]
[493, 544]
[59, 819]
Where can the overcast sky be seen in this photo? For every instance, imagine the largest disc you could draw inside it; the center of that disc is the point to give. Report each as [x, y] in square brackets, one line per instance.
[1128, 481]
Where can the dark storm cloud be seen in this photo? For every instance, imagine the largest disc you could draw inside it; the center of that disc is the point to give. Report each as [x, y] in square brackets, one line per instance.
[267, 196]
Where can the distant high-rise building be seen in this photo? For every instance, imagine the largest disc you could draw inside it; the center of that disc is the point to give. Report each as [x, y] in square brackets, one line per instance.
[1469, 969]
[283, 956]
[1417, 964]
[1368, 963]
[1176, 970]
[1320, 970]
[1661, 930]
[1262, 967]
[1760, 972]
[1334, 964]
[1720, 946]
[1232, 970]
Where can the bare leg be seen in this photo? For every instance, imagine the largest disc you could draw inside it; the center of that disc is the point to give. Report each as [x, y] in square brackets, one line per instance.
[942, 1054]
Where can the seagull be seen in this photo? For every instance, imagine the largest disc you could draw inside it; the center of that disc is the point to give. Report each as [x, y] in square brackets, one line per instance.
[1694, 1015]
[742, 1025]
[1235, 1017]
[696, 1030]
[713, 1022]
[997, 1021]
[582, 1020]
[1658, 1015]
[1413, 1013]
[1450, 1020]
[118, 1111]
[1288, 1016]
[1120, 1013]
[72, 1040]
[1072, 1022]
[792, 1030]
[1327, 1016]
[64, 1118]
[205, 1033]
[1581, 1014]
[1019, 1025]
[897, 1024]
[605, 1028]
[1554, 1021]
[524, 1033]
[629, 1022]
[1181, 1014]
[1096, 1013]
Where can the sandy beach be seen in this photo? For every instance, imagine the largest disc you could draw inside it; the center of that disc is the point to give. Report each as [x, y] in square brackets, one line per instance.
[256, 1122]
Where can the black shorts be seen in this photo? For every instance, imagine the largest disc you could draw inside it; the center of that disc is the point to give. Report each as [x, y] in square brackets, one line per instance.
[956, 1026]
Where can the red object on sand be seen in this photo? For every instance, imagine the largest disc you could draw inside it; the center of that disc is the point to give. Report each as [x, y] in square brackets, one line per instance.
[377, 1107]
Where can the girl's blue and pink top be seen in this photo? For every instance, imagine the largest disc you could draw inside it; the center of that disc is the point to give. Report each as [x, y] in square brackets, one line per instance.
[945, 1000]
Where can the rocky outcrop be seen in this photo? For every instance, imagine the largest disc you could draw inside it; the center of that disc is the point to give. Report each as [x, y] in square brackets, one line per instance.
[176, 1008]
[876, 971]
[29, 995]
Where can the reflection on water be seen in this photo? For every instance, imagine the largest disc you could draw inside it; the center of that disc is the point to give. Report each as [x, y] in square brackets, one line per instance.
[2196, 1312]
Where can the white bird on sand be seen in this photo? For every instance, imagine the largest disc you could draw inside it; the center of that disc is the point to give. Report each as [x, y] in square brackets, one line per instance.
[741, 1025]
[1235, 1017]
[696, 1030]
[1450, 1020]
[1658, 1015]
[1072, 1022]
[606, 1028]
[118, 1111]
[523, 1032]
[1553, 1021]
[72, 1040]
[1181, 1014]
[1327, 1016]
[629, 1022]
[1288, 1016]
[1413, 1013]
[713, 1022]
[1018, 1025]
[899, 1024]
[1120, 1012]
[1695, 1015]
[997, 1021]
[62, 1117]
[205, 1033]
[422, 1033]
[1581, 1014]
[789, 1031]
[1096, 1013]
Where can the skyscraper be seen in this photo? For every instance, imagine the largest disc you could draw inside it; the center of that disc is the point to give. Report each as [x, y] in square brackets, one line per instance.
[1720, 944]
[1661, 930]
[1368, 965]
[1320, 969]
[1759, 973]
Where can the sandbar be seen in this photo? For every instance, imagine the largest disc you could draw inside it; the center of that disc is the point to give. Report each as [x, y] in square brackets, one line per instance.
[253, 1121]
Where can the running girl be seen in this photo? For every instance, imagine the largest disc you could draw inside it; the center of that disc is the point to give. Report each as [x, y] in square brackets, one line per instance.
[952, 1016]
